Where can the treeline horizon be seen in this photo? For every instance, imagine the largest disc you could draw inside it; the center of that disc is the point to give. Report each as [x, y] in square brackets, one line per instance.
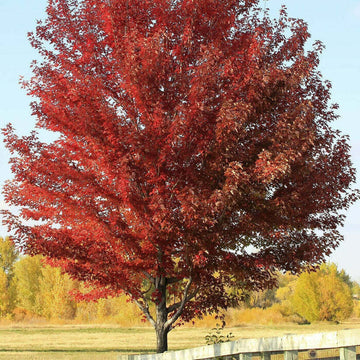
[31, 290]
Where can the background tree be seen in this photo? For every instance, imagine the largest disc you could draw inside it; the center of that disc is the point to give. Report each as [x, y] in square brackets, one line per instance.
[27, 276]
[286, 286]
[261, 299]
[356, 296]
[356, 290]
[55, 298]
[5, 295]
[8, 257]
[323, 295]
[194, 141]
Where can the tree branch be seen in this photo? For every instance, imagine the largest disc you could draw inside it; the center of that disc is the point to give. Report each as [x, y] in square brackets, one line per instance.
[145, 310]
[181, 305]
[173, 280]
[176, 305]
[149, 276]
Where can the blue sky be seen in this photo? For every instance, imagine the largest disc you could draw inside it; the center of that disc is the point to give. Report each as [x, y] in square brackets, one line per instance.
[336, 23]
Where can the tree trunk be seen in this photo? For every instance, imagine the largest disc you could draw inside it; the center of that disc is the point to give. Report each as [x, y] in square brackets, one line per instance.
[161, 318]
[161, 340]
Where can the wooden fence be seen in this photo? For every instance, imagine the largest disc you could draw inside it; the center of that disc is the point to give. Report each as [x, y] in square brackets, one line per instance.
[344, 341]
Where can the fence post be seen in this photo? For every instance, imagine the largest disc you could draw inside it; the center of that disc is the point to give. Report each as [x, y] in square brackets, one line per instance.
[266, 356]
[348, 353]
[291, 355]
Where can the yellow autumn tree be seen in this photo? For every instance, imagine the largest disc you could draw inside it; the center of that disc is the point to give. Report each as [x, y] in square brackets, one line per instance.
[55, 299]
[356, 296]
[8, 257]
[4, 294]
[306, 298]
[336, 302]
[27, 277]
[324, 295]
[287, 284]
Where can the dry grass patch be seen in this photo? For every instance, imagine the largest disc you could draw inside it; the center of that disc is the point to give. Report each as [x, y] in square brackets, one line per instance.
[80, 342]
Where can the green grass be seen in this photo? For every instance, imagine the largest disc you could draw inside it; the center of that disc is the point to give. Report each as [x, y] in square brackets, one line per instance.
[80, 342]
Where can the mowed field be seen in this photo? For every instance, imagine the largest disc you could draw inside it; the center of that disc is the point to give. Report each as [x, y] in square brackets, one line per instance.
[25, 342]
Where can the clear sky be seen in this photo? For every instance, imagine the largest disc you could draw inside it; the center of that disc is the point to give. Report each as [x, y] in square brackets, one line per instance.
[335, 23]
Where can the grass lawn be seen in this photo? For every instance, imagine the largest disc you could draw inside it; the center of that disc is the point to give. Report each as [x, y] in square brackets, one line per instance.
[91, 342]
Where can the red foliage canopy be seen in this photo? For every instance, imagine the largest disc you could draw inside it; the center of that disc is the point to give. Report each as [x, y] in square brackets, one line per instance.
[195, 151]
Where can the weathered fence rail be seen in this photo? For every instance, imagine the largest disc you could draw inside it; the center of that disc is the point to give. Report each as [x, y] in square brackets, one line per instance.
[243, 349]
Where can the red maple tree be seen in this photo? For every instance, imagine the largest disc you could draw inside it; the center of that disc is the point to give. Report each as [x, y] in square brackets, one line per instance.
[195, 152]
